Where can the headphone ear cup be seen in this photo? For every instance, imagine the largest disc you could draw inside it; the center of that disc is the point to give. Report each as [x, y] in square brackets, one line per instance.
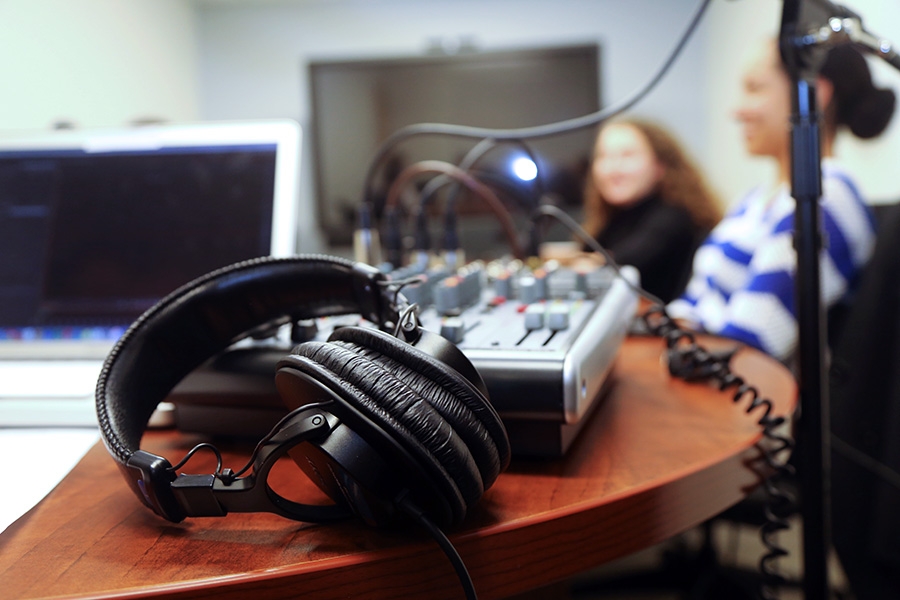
[420, 411]
[453, 395]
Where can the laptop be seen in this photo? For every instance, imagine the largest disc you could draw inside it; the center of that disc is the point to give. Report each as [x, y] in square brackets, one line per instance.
[96, 226]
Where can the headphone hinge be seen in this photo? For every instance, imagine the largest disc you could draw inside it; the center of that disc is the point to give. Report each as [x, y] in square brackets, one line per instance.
[152, 477]
[195, 494]
[370, 296]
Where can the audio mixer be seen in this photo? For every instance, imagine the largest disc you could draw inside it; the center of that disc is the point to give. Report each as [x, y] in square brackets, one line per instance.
[543, 339]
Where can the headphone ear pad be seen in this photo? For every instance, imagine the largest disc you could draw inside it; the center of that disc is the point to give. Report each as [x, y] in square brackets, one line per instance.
[452, 394]
[411, 415]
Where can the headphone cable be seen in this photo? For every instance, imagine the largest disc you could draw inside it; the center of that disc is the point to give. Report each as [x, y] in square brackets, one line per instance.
[465, 579]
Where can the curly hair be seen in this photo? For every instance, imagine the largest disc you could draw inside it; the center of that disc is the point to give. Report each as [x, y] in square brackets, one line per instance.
[681, 185]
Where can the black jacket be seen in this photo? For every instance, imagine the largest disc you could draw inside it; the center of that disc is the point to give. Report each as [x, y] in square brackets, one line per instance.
[656, 238]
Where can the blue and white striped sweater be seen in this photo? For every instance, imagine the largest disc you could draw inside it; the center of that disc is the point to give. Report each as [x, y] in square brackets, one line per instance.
[742, 284]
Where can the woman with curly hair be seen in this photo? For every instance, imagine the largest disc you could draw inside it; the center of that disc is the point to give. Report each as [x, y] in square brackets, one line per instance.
[647, 204]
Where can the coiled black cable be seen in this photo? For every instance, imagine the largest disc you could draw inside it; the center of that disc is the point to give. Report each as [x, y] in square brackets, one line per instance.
[691, 362]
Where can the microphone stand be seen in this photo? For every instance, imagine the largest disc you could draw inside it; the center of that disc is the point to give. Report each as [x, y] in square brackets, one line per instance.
[803, 49]
[813, 429]
[813, 426]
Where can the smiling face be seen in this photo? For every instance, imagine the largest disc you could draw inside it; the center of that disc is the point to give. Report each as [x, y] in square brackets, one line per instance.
[765, 107]
[625, 168]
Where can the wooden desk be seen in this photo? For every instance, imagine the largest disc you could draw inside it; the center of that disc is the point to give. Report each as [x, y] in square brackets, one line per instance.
[658, 457]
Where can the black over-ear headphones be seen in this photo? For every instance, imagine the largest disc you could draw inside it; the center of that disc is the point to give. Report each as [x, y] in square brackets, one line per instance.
[378, 422]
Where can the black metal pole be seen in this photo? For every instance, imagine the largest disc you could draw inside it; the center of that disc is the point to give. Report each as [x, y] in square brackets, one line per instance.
[814, 422]
[813, 425]
[805, 41]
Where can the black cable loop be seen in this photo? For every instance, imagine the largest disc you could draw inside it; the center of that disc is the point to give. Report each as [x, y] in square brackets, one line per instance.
[748, 392]
[690, 361]
[395, 286]
[194, 450]
[774, 523]
[407, 320]
[768, 408]
[728, 379]
[468, 163]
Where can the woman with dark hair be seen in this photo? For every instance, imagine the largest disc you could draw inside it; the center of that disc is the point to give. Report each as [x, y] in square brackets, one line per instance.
[647, 204]
[742, 284]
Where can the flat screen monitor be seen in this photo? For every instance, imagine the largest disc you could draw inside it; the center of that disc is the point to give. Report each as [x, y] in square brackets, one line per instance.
[96, 226]
[356, 104]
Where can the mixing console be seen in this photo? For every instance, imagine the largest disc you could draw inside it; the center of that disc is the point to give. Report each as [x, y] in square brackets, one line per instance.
[543, 339]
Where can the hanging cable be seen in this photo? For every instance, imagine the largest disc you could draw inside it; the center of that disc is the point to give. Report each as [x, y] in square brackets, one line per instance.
[689, 360]
[548, 210]
[451, 237]
[524, 133]
[451, 170]
[471, 159]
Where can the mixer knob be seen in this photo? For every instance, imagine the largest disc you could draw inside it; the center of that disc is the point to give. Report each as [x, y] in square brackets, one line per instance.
[540, 284]
[453, 328]
[581, 282]
[528, 291]
[447, 299]
[304, 331]
[503, 285]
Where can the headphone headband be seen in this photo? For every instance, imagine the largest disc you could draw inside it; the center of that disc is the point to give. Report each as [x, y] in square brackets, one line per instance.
[205, 316]
[374, 401]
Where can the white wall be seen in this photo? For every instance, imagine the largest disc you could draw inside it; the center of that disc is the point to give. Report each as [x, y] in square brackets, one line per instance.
[878, 161]
[734, 27]
[107, 62]
[254, 55]
[96, 63]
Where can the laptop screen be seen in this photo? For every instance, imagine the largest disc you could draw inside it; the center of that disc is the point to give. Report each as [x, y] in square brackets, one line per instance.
[95, 227]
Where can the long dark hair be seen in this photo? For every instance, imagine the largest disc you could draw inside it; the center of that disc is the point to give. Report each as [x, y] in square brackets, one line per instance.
[857, 103]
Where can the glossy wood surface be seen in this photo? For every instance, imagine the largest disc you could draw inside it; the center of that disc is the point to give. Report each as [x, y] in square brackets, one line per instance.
[658, 457]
